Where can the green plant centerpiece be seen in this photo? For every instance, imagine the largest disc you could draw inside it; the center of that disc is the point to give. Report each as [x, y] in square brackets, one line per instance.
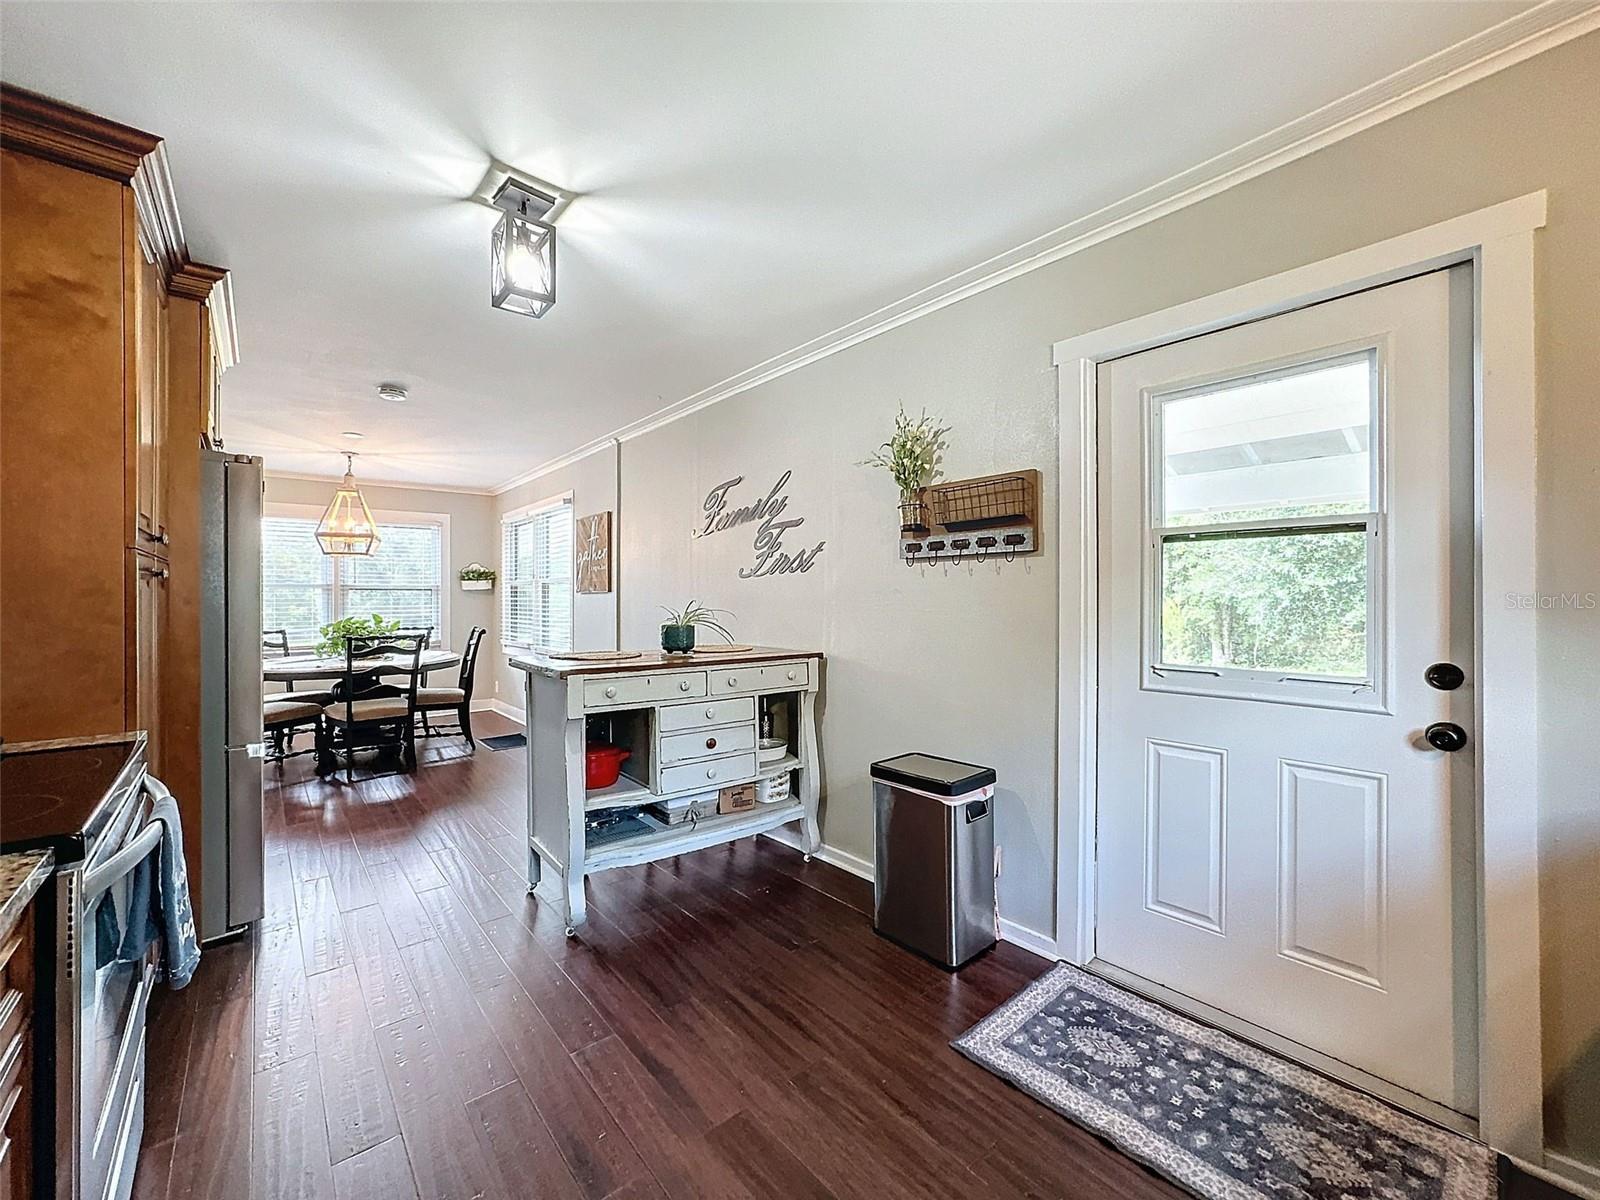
[677, 631]
[912, 456]
[477, 573]
[335, 632]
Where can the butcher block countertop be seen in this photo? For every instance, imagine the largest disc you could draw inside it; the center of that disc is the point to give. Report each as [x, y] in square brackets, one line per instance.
[21, 875]
[654, 660]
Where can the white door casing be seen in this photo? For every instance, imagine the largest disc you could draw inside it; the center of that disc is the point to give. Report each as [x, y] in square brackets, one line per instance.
[1498, 242]
[1275, 838]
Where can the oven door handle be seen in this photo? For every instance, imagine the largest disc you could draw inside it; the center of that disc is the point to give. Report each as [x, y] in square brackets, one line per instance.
[119, 864]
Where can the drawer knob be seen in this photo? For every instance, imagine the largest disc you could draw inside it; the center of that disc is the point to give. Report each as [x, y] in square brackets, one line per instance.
[733, 682]
[711, 772]
[611, 693]
[711, 743]
[711, 714]
[791, 674]
[683, 685]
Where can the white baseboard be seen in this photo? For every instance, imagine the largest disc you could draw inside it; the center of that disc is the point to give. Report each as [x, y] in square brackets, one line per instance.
[1018, 935]
[1567, 1172]
[1042, 944]
[832, 855]
[500, 707]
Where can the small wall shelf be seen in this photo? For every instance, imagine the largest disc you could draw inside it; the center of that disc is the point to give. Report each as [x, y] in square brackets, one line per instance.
[979, 519]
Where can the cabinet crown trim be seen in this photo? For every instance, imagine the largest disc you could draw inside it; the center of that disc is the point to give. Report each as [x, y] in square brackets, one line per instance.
[46, 128]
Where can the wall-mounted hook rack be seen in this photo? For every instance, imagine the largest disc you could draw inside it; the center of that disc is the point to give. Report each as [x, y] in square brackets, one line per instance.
[1004, 507]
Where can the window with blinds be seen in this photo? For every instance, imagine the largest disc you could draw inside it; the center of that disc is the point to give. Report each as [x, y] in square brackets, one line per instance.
[536, 578]
[303, 589]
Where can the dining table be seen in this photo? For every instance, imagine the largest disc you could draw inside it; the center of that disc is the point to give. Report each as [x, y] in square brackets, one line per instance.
[296, 669]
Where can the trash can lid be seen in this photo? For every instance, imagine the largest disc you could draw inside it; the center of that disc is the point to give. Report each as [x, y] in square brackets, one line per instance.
[929, 773]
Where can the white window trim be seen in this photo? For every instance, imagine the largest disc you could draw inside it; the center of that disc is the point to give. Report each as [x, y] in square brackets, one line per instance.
[397, 516]
[511, 517]
[1498, 242]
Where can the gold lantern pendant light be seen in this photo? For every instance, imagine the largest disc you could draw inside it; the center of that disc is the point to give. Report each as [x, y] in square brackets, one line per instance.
[347, 526]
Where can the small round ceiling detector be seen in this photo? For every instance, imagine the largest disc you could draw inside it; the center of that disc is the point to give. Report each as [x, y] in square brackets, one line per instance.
[395, 393]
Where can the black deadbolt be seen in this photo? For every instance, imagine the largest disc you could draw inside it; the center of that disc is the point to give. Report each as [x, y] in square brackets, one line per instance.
[1445, 735]
[1445, 676]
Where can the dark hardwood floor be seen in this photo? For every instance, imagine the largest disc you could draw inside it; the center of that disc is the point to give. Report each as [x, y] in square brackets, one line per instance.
[408, 1022]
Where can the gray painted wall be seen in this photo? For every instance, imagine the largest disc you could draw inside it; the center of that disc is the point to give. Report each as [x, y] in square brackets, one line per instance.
[962, 660]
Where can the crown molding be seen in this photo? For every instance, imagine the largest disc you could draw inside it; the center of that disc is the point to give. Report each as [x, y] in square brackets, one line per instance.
[224, 324]
[1529, 33]
[48, 129]
[380, 483]
[555, 464]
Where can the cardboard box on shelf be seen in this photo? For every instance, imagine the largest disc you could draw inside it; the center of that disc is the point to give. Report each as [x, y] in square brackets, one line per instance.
[741, 797]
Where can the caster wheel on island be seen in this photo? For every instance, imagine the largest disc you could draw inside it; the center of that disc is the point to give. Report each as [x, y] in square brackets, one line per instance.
[572, 931]
[806, 858]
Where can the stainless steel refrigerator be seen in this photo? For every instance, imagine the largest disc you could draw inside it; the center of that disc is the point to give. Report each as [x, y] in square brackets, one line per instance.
[231, 889]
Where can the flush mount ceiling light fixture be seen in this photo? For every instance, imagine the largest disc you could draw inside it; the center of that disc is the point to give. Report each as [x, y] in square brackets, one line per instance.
[347, 527]
[522, 248]
[522, 252]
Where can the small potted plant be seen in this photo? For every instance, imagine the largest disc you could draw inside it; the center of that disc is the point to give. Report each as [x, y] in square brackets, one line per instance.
[475, 577]
[912, 457]
[677, 631]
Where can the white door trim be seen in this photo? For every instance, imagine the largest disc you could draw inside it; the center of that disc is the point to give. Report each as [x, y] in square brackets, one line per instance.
[1498, 242]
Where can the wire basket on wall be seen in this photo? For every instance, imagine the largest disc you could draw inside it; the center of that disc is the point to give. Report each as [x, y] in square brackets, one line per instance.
[984, 503]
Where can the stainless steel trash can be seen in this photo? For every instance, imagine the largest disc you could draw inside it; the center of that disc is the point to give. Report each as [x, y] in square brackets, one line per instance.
[934, 891]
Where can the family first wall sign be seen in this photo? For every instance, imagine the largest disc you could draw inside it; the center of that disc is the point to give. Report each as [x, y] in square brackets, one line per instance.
[720, 513]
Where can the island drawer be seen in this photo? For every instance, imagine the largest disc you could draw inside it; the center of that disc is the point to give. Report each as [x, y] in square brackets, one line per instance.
[708, 772]
[713, 712]
[704, 743]
[773, 677]
[613, 690]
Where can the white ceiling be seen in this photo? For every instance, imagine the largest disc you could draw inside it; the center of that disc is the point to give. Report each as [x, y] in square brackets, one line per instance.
[752, 176]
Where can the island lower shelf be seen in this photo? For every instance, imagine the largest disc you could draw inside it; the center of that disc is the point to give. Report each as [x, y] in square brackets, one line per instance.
[681, 839]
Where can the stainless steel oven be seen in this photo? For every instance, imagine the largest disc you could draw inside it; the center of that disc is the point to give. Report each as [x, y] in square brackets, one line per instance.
[103, 1002]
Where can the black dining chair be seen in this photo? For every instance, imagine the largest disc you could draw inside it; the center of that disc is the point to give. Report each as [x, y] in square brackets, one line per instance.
[276, 642]
[282, 719]
[368, 713]
[456, 699]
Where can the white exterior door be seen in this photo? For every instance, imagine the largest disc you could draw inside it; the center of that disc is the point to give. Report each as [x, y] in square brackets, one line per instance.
[1286, 549]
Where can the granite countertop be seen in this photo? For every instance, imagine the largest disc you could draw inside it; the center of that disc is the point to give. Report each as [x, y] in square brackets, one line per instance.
[654, 660]
[21, 875]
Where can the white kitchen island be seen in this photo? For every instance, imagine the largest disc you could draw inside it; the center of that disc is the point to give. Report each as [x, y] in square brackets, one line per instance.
[692, 725]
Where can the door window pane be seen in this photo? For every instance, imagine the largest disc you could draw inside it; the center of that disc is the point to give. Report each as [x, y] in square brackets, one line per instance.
[1292, 602]
[1288, 444]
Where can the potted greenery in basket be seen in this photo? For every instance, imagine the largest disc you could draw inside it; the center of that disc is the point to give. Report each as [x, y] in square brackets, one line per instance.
[677, 631]
[475, 577]
[334, 633]
[912, 457]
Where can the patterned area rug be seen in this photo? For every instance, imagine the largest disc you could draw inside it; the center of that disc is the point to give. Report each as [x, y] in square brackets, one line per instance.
[1216, 1115]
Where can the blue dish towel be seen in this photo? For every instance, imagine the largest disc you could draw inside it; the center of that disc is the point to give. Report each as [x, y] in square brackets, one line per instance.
[158, 904]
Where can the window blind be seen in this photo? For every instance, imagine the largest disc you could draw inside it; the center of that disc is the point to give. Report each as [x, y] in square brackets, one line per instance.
[303, 589]
[536, 578]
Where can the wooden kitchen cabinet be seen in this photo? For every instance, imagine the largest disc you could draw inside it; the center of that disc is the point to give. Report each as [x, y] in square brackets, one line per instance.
[106, 398]
[148, 435]
[148, 578]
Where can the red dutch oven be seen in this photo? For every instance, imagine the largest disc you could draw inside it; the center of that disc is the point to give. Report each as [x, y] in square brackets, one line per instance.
[602, 764]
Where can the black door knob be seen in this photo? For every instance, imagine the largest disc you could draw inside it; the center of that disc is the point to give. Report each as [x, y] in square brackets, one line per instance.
[1445, 735]
[1445, 676]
